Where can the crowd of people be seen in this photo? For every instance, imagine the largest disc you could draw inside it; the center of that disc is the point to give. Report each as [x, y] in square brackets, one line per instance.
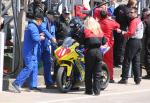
[117, 26]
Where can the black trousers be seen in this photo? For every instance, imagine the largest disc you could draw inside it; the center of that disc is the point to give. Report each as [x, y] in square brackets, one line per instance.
[147, 56]
[119, 48]
[93, 58]
[132, 54]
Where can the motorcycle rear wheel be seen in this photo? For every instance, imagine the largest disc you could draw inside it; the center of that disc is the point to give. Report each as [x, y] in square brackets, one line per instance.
[105, 76]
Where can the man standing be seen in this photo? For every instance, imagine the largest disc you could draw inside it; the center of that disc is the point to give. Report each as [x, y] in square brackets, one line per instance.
[48, 28]
[133, 47]
[32, 38]
[63, 28]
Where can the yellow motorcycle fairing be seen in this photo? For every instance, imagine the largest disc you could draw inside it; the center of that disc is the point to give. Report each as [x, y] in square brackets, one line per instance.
[68, 67]
[67, 60]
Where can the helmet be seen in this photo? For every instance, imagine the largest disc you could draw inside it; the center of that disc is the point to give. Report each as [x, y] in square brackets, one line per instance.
[66, 10]
[75, 23]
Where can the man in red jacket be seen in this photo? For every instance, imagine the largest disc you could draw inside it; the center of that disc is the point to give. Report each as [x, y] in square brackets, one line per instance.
[133, 48]
[108, 25]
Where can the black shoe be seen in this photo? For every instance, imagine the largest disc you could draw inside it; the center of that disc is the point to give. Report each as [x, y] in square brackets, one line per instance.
[88, 93]
[123, 81]
[51, 86]
[97, 93]
[111, 81]
[35, 89]
[146, 77]
[16, 87]
[137, 82]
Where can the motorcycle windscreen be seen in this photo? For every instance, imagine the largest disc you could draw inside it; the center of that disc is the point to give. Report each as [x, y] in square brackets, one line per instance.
[68, 42]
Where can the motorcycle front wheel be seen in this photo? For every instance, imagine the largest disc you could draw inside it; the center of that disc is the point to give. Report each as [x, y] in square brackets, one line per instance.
[64, 83]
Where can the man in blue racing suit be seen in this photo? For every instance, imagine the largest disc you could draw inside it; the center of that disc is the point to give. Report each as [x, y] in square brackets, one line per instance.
[46, 48]
[32, 39]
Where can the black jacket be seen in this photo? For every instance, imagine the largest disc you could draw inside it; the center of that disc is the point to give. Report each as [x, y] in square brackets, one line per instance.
[62, 28]
[121, 14]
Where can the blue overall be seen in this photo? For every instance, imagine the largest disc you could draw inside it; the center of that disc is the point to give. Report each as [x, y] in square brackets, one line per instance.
[48, 29]
[30, 48]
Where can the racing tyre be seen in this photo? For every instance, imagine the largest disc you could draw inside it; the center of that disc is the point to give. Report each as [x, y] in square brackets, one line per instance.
[64, 83]
[105, 78]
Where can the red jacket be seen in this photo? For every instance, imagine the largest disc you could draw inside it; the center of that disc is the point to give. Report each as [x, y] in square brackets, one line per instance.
[108, 25]
[91, 40]
[135, 29]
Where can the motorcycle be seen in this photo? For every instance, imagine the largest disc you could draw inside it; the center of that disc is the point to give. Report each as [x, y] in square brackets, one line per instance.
[71, 69]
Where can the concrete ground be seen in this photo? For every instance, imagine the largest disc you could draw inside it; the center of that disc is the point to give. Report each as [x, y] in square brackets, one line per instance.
[114, 93]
